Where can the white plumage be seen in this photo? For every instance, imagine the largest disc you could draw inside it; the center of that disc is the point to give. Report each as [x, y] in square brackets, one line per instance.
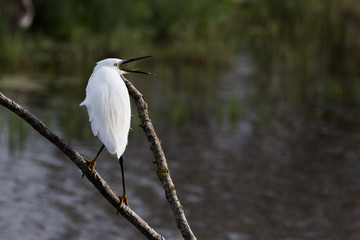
[108, 104]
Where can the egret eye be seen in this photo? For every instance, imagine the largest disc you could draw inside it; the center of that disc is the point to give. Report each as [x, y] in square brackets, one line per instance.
[115, 64]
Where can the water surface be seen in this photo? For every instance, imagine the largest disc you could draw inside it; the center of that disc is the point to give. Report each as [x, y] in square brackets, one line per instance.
[254, 152]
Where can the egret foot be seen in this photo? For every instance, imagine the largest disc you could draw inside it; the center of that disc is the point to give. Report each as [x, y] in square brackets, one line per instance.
[92, 164]
[123, 199]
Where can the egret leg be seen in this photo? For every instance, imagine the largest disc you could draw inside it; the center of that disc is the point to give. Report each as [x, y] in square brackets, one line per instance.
[123, 198]
[93, 162]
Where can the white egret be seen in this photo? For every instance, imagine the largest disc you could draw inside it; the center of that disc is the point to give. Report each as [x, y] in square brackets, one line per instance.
[108, 105]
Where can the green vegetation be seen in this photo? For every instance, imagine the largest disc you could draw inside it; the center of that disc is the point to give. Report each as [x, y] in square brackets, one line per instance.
[64, 30]
[197, 31]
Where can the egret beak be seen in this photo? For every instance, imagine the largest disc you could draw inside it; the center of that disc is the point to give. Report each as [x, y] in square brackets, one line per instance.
[124, 61]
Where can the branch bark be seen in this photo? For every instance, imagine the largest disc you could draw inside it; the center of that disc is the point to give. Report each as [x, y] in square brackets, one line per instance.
[95, 178]
[160, 160]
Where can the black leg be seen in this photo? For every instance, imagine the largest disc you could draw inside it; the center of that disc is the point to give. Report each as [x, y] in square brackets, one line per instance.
[123, 197]
[121, 161]
[102, 147]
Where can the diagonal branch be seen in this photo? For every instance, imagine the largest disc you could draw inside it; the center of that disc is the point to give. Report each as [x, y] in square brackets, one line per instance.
[95, 178]
[160, 160]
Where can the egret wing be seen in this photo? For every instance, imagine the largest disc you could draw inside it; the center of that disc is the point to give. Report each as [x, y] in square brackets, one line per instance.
[108, 104]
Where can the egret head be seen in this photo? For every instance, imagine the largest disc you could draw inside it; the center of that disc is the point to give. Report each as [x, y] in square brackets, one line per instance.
[118, 64]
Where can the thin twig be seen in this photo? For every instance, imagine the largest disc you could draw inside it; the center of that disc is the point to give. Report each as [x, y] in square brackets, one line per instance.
[160, 160]
[95, 178]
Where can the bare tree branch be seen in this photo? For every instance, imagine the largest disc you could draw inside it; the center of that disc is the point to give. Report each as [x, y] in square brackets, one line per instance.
[95, 178]
[160, 160]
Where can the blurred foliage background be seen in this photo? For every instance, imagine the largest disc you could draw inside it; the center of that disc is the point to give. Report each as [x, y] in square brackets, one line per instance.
[200, 31]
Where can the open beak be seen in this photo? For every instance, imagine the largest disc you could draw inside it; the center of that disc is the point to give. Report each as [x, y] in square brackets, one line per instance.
[124, 61]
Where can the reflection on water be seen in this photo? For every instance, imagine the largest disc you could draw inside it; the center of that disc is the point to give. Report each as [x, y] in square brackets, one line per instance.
[254, 154]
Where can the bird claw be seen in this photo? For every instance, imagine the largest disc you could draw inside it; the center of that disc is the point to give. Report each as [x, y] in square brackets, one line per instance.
[123, 200]
[92, 164]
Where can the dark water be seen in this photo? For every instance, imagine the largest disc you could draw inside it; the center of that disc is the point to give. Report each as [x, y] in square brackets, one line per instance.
[254, 154]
